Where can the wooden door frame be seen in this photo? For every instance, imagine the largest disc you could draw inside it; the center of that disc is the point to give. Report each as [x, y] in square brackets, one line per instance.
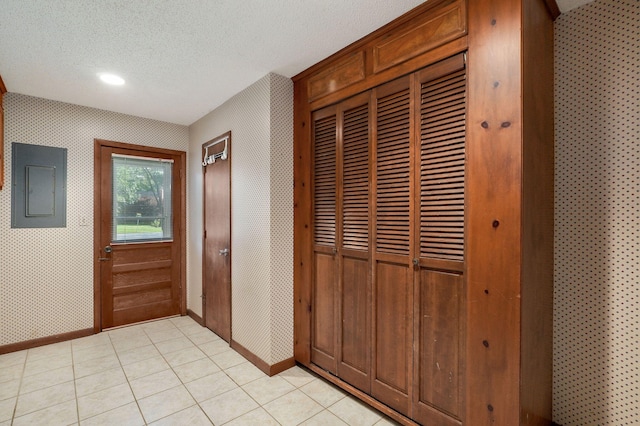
[180, 229]
[204, 212]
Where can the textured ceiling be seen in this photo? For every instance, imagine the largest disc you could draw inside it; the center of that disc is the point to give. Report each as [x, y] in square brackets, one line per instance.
[180, 58]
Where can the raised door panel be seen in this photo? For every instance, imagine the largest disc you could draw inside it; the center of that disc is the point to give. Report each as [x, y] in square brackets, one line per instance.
[393, 336]
[435, 29]
[354, 365]
[440, 340]
[323, 336]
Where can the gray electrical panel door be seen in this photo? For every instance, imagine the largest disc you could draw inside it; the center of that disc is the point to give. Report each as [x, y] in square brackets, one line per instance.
[39, 186]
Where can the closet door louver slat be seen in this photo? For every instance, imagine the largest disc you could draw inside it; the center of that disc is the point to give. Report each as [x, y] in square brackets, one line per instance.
[393, 163]
[324, 196]
[356, 178]
[442, 167]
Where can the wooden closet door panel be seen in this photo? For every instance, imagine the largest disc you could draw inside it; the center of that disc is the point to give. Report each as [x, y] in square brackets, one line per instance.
[325, 277]
[393, 285]
[440, 302]
[354, 365]
[354, 136]
[439, 347]
[323, 336]
[393, 348]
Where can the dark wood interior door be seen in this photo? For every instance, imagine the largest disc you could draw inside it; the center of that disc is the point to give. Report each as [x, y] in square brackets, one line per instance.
[354, 360]
[393, 281]
[216, 274]
[139, 255]
[440, 211]
[325, 308]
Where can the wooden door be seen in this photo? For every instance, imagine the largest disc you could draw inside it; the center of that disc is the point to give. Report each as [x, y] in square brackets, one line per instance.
[392, 258]
[354, 319]
[324, 309]
[440, 303]
[216, 264]
[139, 233]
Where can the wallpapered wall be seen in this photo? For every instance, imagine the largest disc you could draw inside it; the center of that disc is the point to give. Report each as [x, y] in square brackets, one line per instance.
[261, 122]
[596, 378]
[46, 275]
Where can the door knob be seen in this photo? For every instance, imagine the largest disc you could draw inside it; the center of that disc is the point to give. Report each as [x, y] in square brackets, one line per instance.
[108, 249]
[224, 252]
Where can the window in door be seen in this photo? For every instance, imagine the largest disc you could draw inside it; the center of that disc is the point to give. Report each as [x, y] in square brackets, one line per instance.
[141, 199]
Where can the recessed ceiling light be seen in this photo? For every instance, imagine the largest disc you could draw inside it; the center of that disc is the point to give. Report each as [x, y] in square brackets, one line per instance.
[111, 79]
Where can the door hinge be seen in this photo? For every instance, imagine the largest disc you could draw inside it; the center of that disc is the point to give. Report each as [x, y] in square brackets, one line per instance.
[205, 234]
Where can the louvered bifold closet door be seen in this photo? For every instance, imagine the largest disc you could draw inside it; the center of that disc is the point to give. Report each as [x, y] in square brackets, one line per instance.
[355, 332]
[325, 278]
[392, 285]
[440, 214]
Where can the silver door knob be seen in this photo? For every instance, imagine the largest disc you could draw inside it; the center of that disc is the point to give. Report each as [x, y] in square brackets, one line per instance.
[224, 252]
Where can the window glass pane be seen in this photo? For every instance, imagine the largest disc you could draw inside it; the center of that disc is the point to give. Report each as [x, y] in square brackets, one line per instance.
[141, 199]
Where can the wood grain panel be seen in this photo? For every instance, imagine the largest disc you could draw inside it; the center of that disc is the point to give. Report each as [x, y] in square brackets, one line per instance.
[132, 315]
[537, 239]
[440, 343]
[302, 224]
[323, 331]
[343, 73]
[141, 287]
[442, 25]
[129, 253]
[393, 166]
[494, 222]
[354, 365]
[393, 336]
[144, 276]
[143, 296]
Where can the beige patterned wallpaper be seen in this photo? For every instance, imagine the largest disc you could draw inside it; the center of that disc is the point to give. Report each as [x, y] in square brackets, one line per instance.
[596, 378]
[46, 275]
[261, 122]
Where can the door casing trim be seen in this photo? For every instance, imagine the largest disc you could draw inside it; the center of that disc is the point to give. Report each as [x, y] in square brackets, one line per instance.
[180, 239]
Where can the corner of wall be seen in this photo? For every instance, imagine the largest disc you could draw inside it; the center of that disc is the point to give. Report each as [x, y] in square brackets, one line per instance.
[281, 187]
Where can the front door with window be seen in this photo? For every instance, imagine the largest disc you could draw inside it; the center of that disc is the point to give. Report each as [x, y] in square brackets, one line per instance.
[139, 250]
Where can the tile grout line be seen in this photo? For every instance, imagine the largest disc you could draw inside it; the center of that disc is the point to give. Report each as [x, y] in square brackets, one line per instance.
[15, 404]
[127, 379]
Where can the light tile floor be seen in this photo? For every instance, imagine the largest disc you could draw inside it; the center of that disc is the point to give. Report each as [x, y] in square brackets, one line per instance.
[166, 372]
